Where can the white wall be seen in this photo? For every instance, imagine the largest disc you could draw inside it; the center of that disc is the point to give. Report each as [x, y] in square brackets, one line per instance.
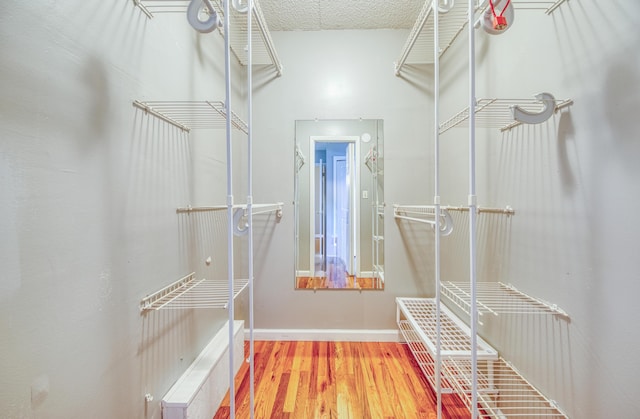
[317, 64]
[89, 186]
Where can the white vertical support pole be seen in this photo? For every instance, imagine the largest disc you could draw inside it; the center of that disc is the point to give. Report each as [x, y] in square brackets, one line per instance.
[227, 72]
[250, 201]
[436, 199]
[472, 212]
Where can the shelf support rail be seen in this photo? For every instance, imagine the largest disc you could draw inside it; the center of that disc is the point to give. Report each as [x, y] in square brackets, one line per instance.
[472, 202]
[437, 208]
[248, 211]
[230, 227]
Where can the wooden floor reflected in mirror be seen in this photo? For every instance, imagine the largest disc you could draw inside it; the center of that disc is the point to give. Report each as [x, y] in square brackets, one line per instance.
[336, 277]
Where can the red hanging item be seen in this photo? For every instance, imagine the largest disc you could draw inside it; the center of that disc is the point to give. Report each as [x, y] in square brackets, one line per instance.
[499, 21]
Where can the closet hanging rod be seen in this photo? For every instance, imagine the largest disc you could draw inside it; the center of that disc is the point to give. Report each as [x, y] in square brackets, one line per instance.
[506, 210]
[404, 212]
[419, 220]
[264, 208]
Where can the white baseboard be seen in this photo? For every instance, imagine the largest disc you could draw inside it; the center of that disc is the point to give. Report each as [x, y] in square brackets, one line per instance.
[330, 335]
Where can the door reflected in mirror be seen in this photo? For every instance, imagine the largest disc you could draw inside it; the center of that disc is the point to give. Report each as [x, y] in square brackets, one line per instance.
[339, 204]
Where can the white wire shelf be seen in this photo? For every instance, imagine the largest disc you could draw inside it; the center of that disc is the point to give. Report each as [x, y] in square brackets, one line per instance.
[416, 209]
[188, 115]
[430, 209]
[190, 293]
[422, 356]
[256, 208]
[416, 319]
[264, 52]
[418, 49]
[371, 159]
[420, 313]
[497, 298]
[497, 113]
[502, 391]
[300, 159]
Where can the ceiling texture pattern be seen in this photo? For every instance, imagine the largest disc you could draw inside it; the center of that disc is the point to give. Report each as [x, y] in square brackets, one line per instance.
[315, 15]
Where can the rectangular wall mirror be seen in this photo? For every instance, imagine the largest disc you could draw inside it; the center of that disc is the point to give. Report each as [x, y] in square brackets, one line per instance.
[339, 204]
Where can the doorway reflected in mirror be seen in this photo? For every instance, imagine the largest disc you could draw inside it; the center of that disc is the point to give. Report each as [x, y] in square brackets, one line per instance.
[338, 205]
[336, 276]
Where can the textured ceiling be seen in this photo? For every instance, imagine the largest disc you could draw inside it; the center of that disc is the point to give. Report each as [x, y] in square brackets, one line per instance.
[314, 15]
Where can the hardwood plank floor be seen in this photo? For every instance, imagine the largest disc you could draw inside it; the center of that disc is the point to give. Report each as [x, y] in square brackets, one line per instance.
[344, 282]
[352, 380]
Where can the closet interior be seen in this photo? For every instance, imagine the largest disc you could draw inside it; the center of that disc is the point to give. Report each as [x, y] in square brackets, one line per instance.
[152, 159]
[246, 39]
[446, 345]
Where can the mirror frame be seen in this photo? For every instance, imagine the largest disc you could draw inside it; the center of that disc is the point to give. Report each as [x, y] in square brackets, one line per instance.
[367, 136]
